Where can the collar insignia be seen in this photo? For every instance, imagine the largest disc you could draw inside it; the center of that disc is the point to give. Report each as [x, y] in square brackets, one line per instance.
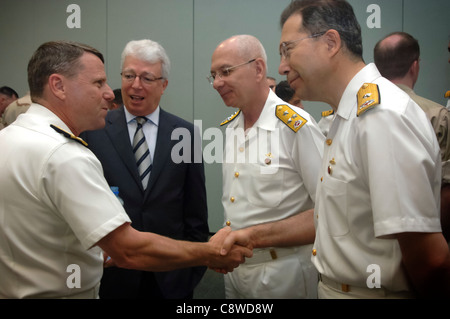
[230, 118]
[68, 135]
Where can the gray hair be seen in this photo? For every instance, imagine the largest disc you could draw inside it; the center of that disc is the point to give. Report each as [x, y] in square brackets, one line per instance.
[149, 51]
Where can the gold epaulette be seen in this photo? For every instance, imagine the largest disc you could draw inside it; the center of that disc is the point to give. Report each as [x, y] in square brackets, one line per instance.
[368, 96]
[68, 135]
[289, 117]
[447, 94]
[230, 118]
[327, 113]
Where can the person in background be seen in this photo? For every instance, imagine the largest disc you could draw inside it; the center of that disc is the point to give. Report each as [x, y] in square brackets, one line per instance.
[171, 199]
[7, 96]
[16, 108]
[272, 82]
[287, 94]
[276, 181]
[117, 102]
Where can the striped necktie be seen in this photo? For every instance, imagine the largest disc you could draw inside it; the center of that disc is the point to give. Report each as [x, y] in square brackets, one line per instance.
[141, 152]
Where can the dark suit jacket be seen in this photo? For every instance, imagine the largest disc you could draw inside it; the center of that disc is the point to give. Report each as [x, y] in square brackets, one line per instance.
[173, 205]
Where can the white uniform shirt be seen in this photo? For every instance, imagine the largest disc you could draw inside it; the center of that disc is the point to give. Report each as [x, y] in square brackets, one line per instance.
[272, 172]
[54, 206]
[381, 176]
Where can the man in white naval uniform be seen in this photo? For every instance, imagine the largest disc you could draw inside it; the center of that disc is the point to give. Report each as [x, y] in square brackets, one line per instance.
[270, 170]
[378, 232]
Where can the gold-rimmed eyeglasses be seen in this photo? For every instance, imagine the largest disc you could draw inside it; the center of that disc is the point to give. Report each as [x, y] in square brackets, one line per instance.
[286, 47]
[226, 71]
[146, 78]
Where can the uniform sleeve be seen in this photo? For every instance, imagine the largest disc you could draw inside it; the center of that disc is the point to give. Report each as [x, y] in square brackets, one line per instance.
[399, 163]
[74, 186]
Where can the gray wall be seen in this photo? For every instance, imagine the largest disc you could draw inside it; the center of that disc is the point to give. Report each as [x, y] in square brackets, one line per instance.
[191, 29]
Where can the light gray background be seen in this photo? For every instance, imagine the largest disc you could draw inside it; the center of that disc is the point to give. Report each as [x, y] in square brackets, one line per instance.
[190, 30]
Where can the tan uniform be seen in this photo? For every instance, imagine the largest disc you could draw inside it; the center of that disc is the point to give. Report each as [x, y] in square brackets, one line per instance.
[440, 119]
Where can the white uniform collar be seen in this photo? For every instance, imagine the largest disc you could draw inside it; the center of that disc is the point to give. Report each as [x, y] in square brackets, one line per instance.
[267, 118]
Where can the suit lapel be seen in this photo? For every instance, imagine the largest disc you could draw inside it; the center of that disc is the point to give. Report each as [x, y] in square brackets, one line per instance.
[163, 148]
[117, 130]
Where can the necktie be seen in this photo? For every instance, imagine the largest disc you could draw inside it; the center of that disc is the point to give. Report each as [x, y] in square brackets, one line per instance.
[141, 152]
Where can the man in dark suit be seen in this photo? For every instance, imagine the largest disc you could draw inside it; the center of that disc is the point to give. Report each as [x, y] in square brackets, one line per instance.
[167, 198]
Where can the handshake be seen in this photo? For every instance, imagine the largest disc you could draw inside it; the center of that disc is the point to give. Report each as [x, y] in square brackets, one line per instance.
[231, 247]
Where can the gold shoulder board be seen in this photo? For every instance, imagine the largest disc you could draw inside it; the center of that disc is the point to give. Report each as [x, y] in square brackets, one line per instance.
[68, 135]
[368, 96]
[289, 117]
[447, 94]
[230, 118]
[327, 113]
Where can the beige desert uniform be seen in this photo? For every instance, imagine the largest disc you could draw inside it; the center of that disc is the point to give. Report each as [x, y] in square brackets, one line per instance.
[270, 173]
[380, 176]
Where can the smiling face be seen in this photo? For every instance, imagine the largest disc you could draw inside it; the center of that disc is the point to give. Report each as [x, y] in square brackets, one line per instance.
[141, 98]
[236, 87]
[303, 65]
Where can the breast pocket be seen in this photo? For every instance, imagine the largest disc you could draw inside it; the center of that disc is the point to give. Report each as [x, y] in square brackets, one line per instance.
[265, 189]
[336, 209]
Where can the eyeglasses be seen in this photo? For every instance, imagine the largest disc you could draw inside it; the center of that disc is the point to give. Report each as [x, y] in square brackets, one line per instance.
[285, 47]
[226, 71]
[146, 78]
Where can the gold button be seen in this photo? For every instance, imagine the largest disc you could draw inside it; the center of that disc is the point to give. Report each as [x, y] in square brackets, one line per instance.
[232, 199]
[330, 171]
[329, 141]
[228, 223]
[273, 254]
[314, 252]
[321, 179]
[332, 161]
[236, 174]
[241, 149]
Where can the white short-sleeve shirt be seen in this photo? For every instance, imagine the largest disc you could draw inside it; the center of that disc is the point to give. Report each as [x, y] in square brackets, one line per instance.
[270, 172]
[380, 177]
[55, 205]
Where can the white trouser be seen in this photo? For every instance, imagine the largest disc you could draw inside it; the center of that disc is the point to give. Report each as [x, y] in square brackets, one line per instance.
[274, 273]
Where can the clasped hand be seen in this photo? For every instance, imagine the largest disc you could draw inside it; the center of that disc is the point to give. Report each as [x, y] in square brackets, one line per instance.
[231, 250]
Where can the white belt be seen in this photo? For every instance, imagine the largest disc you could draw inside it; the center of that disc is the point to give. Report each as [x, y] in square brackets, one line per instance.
[363, 292]
[270, 254]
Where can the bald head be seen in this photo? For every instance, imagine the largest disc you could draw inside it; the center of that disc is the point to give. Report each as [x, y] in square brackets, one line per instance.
[246, 47]
[395, 54]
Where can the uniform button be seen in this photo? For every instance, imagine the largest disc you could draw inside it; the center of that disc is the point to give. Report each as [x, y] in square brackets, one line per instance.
[314, 252]
[330, 170]
[228, 223]
[241, 149]
[321, 179]
[236, 174]
[329, 141]
[232, 199]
